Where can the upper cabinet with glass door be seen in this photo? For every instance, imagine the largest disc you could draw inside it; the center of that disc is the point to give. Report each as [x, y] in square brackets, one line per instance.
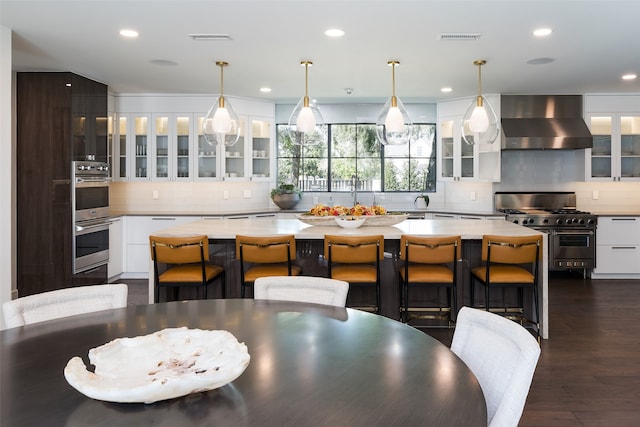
[235, 156]
[172, 147]
[140, 146]
[261, 158]
[458, 160]
[615, 155]
[131, 147]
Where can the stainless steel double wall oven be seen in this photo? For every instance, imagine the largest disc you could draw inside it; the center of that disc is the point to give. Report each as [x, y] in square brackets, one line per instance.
[90, 198]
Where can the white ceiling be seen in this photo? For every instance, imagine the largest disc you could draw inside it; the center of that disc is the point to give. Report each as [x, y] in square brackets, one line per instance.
[593, 44]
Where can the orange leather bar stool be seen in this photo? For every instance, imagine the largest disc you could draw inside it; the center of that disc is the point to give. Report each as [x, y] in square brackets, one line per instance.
[187, 260]
[510, 262]
[264, 257]
[356, 260]
[429, 262]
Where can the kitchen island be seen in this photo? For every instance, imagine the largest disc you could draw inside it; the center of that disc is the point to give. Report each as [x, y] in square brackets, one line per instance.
[222, 232]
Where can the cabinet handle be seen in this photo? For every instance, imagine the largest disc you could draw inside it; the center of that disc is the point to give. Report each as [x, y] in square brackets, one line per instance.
[623, 219]
[623, 247]
[163, 219]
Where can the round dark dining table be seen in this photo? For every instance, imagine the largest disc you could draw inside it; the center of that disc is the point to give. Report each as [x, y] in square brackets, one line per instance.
[311, 365]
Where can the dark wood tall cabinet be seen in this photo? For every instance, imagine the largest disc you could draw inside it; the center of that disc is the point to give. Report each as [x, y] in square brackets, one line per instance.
[61, 117]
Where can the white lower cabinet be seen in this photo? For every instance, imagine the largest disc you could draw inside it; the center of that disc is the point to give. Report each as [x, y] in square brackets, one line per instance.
[137, 251]
[617, 248]
[116, 264]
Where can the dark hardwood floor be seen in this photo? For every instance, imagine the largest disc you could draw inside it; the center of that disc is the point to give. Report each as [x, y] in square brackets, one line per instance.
[589, 368]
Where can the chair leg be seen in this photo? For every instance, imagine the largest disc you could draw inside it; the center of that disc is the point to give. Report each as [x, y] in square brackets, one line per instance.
[486, 296]
[223, 284]
[454, 291]
[406, 302]
[472, 290]
[537, 313]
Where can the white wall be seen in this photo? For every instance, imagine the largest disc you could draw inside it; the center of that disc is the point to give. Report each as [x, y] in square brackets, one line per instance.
[7, 171]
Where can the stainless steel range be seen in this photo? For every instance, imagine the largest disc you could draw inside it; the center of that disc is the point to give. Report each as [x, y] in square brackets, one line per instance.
[572, 233]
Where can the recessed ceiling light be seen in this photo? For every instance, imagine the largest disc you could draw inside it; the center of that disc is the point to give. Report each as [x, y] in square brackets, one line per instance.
[541, 32]
[446, 89]
[265, 89]
[128, 33]
[629, 77]
[334, 32]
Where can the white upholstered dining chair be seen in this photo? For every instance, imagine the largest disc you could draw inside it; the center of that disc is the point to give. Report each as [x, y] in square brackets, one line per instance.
[503, 356]
[62, 303]
[319, 290]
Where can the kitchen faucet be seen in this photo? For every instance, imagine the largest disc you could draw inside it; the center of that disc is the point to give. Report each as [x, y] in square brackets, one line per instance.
[354, 189]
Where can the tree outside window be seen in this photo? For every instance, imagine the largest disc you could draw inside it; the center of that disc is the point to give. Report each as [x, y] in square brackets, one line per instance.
[351, 155]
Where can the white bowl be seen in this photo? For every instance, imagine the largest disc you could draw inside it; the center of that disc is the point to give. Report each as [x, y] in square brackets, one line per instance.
[349, 221]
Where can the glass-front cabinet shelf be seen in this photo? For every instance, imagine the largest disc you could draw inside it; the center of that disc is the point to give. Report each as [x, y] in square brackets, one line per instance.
[260, 149]
[458, 160]
[141, 147]
[161, 149]
[121, 162]
[207, 161]
[446, 159]
[235, 155]
[615, 155]
[183, 147]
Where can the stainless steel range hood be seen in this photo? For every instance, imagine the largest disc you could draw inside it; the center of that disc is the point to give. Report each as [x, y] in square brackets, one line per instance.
[543, 122]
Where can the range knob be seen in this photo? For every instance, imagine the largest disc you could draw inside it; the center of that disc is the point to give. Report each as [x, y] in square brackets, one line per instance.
[581, 221]
[515, 221]
[559, 221]
[591, 221]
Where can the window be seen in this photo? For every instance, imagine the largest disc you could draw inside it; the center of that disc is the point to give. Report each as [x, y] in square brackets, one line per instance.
[351, 155]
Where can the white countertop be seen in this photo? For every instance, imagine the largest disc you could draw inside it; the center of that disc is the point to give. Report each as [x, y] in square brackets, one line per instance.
[229, 228]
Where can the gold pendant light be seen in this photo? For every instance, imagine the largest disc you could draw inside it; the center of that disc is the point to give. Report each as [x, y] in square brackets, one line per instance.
[221, 124]
[306, 125]
[393, 126]
[480, 124]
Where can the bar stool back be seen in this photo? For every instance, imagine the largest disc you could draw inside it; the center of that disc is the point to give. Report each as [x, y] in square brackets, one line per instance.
[356, 260]
[429, 262]
[188, 264]
[265, 256]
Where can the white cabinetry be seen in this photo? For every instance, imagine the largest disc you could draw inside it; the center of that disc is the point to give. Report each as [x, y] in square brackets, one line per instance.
[137, 251]
[160, 138]
[617, 248]
[457, 160]
[615, 155]
[116, 264]
[614, 121]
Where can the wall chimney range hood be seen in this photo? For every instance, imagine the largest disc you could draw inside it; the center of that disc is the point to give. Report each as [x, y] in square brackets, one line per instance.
[543, 122]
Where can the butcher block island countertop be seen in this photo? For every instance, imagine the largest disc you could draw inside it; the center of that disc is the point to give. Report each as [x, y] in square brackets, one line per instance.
[470, 230]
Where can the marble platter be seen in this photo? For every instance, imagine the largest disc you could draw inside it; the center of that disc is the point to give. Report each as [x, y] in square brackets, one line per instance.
[163, 365]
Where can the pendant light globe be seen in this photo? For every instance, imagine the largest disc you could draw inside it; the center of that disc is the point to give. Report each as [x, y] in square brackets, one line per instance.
[393, 126]
[221, 124]
[480, 124]
[306, 125]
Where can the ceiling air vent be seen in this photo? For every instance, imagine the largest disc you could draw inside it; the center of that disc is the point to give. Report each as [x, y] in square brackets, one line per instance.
[459, 36]
[206, 37]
